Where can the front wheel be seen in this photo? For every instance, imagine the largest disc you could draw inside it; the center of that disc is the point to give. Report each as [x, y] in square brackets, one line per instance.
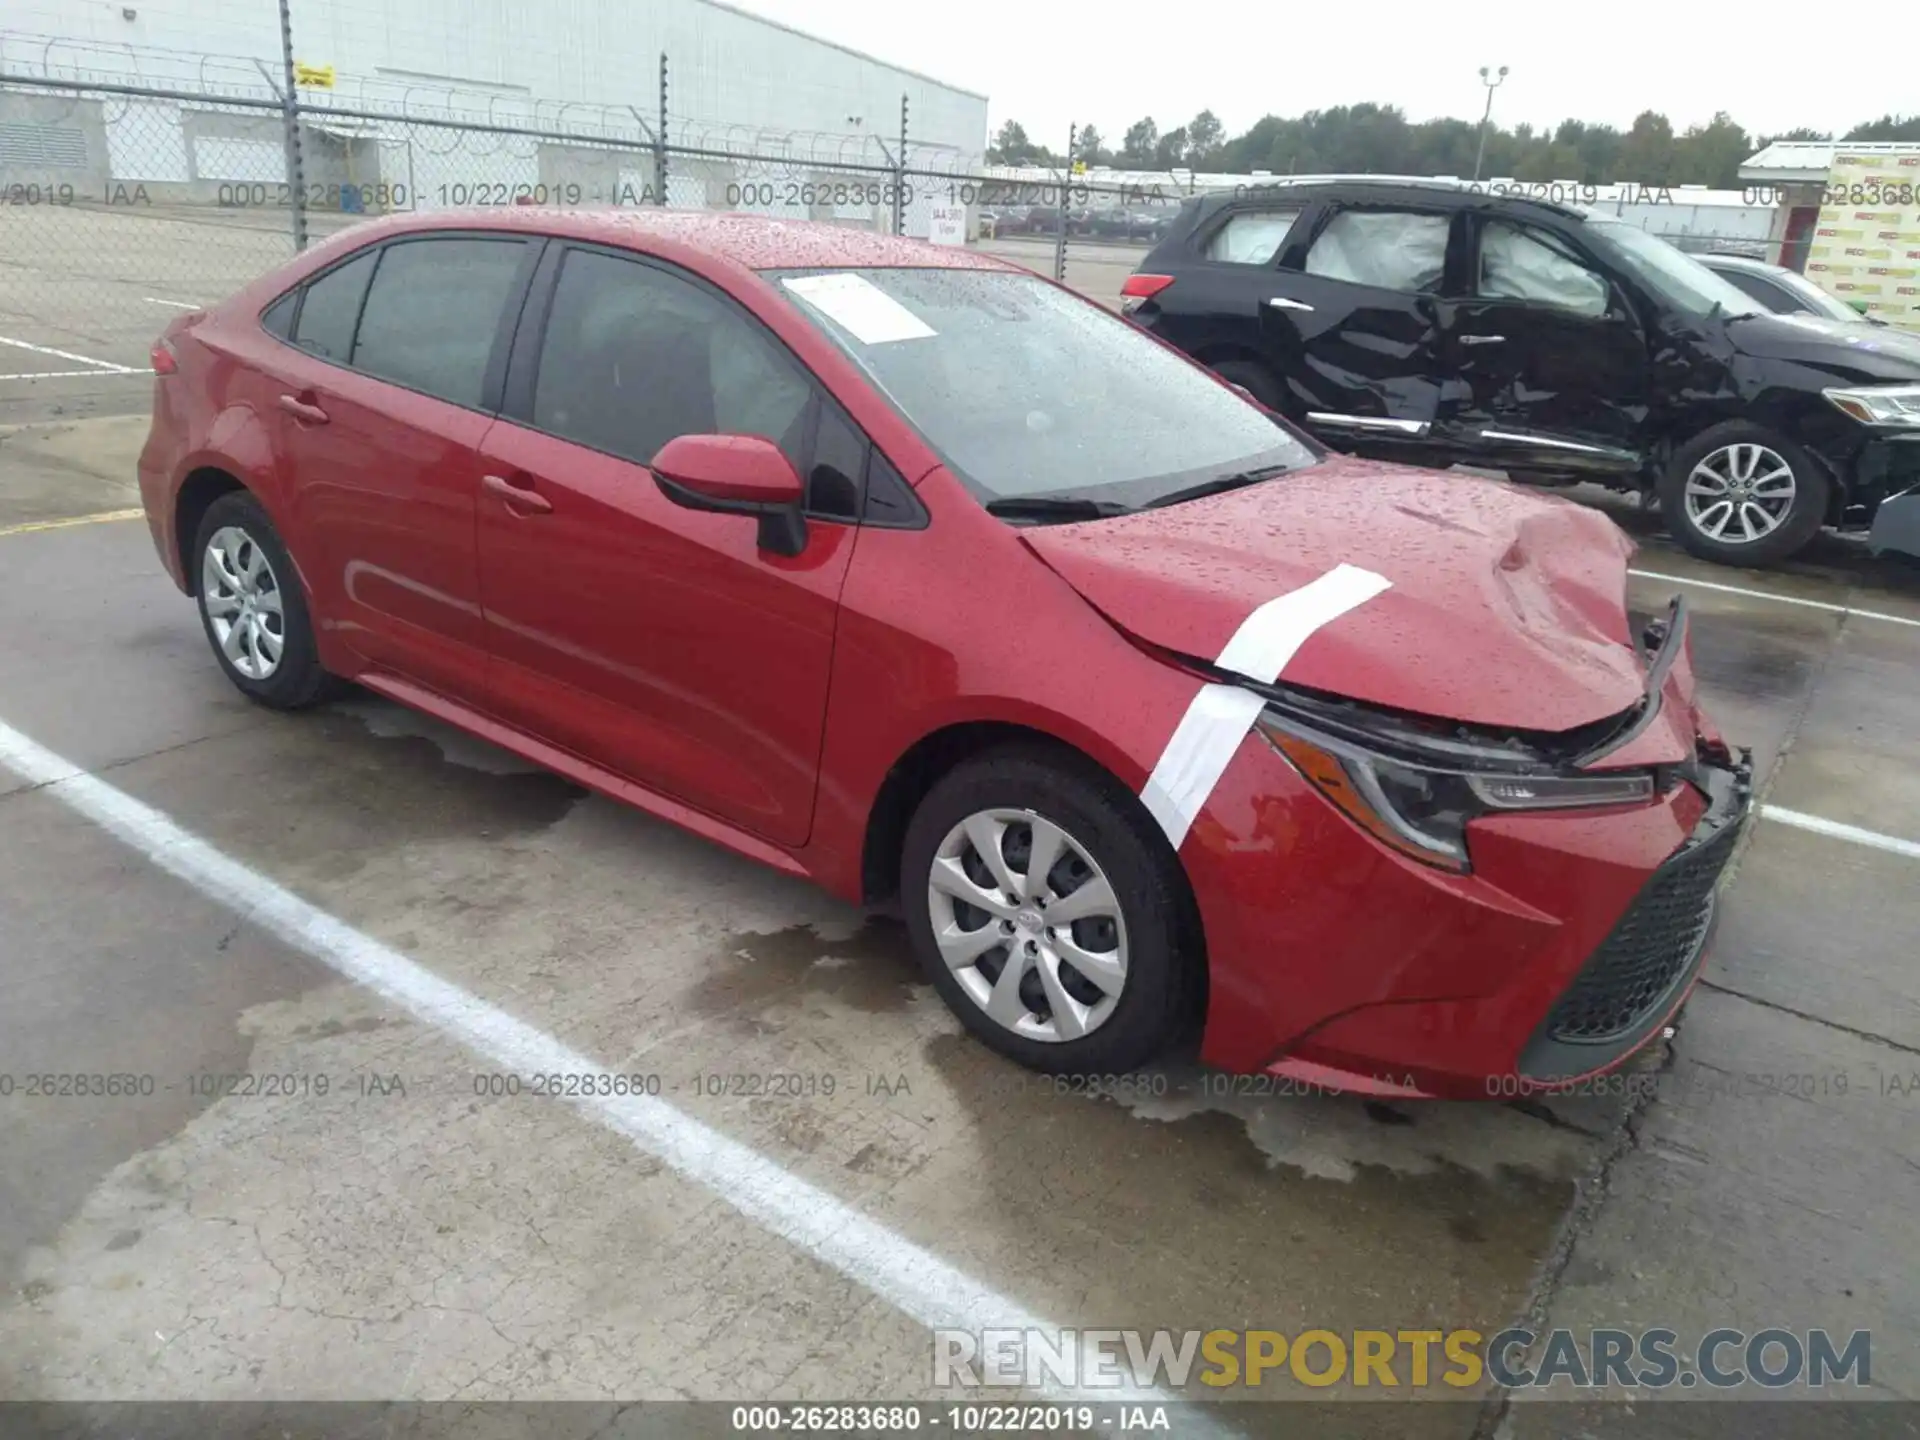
[1743, 495]
[1045, 913]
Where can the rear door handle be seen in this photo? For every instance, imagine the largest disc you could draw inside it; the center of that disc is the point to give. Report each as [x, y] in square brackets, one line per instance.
[518, 492]
[303, 411]
[1282, 302]
[1483, 339]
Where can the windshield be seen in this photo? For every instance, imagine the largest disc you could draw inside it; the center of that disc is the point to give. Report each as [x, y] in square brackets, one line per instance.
[1027, 391]
[1672, 274]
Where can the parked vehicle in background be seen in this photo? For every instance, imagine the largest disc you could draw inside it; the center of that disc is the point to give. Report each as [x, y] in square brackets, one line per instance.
[1042, 220]
[1121, 223]
[1784, 291]
[893, 566]
[1421, 320]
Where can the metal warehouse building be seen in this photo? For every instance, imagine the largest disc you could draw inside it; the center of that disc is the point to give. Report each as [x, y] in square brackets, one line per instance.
[735, 83]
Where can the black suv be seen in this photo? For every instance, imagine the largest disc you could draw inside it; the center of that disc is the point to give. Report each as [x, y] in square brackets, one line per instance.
[1429, 322]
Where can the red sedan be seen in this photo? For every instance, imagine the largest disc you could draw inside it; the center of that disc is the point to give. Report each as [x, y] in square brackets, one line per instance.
[900, 568]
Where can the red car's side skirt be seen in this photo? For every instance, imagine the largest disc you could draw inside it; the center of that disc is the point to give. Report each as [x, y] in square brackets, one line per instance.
[581, 771]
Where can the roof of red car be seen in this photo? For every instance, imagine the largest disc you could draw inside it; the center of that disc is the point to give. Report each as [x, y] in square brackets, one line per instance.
[756, 242]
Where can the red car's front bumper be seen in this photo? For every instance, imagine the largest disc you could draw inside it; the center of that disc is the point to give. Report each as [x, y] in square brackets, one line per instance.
[1340, 964]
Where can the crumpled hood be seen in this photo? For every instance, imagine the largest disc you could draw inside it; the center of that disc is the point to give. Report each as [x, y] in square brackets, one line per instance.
[1505, 608]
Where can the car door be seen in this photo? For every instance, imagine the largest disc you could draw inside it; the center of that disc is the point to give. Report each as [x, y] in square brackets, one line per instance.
[1549, 358]
[657, 641]
[380, 416]
[1353, 323]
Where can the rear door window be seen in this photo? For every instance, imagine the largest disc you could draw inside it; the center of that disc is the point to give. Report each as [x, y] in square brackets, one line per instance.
[1518, 264]
[331, 309]
[1252, 237]
[1389, 249]
[634, 356]
[433, 312]
[1774, 297]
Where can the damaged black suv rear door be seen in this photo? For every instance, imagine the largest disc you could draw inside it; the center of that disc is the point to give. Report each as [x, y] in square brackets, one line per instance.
[1357, 325]
[1547, 356]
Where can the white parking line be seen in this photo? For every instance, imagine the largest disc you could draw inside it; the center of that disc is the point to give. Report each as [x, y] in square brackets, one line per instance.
[910, 1278]
[69, 374]
[1827, 605]
[107, 366]
[1892, 844]
[176, 304]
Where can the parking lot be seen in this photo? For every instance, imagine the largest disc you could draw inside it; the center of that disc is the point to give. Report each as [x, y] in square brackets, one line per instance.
[392, 919]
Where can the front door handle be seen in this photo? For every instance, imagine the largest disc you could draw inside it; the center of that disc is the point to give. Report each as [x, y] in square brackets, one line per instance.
[519, 494]
[304, 411]
[1282, 302]
[1483, 339]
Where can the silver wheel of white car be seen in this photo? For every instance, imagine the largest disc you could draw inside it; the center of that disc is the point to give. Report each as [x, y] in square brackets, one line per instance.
[1028, 924]
[1740, 493]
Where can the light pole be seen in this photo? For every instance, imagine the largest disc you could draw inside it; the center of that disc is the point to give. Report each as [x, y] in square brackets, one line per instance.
[1492, 83]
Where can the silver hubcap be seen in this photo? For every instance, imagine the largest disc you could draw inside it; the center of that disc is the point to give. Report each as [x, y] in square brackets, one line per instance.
[1740, 493]
[241, 596]
[1028, 924]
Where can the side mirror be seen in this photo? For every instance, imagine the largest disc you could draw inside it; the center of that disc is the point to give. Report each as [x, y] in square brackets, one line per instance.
[736, 475]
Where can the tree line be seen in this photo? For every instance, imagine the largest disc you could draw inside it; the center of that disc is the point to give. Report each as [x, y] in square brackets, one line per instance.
[1379, 139]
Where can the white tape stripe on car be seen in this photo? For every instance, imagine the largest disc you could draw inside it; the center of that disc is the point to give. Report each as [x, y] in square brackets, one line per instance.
[1220, 716]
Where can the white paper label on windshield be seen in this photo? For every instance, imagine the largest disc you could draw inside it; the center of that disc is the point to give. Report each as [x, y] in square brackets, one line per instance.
[859, 307]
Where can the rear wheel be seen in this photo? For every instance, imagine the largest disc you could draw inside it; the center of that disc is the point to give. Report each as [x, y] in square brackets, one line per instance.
[1254, 378]
[253, 609]
[1045, 915]
[1743, 495]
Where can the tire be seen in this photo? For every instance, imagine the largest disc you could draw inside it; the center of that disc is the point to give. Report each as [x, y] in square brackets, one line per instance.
[1145, 939]
[1735, 454]
[250, 589]
[1255, 379]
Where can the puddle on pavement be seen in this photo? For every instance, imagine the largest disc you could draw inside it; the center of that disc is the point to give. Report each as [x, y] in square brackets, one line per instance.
[1760, 667]
[415, 775]
[387, 721]
[1331, 1138]
[870, 969]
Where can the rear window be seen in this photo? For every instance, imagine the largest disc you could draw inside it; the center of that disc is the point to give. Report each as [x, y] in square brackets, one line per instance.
[433, 312]
[278, 321]
[332, 306]
[1253, 237]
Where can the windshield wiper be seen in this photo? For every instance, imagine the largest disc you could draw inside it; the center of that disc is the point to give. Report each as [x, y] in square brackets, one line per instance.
[1055, 507]
[1219, 484]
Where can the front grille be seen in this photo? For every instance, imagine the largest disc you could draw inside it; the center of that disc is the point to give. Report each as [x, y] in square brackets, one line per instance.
[1636, 966]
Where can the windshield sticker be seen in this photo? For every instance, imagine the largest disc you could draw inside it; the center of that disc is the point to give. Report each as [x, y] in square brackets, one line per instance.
[859, 307]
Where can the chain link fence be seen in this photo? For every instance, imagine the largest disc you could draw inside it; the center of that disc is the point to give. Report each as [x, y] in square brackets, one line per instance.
[119, 201]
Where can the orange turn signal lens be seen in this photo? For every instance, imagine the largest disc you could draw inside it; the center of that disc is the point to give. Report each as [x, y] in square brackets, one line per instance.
[1330, 775]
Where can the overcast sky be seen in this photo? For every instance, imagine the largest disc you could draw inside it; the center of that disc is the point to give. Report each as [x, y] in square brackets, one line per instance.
[1046, 63]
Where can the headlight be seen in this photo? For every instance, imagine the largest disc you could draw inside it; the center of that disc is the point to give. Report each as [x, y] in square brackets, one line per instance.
[1879, 404]
[1422, 810]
